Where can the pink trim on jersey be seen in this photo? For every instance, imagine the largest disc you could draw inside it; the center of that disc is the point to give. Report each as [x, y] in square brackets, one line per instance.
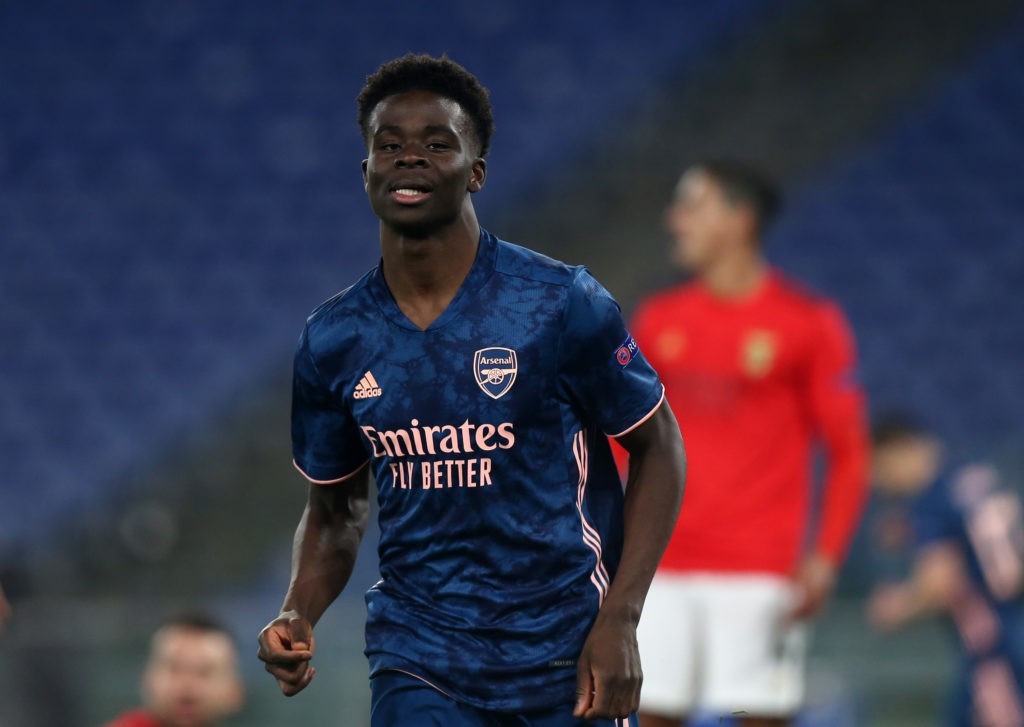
[975, 620]
[591, 537]
[646, 416]
[590, 534]
[425, 681]
[992, 529]
[351, 474]
[997, 702]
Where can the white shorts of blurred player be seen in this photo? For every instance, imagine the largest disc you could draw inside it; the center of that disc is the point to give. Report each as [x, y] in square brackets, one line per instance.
[721, 643]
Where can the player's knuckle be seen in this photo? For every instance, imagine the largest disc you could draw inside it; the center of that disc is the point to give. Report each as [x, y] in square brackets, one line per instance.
[619, 680]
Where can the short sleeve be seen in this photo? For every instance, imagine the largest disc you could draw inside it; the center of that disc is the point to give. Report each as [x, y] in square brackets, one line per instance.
[600, 364]
[325, 438]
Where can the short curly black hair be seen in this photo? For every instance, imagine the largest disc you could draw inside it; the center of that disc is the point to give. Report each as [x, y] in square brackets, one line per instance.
[422, 72]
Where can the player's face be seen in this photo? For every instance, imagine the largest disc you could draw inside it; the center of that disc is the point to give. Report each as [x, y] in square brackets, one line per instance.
[422, 163]
[702, 221]
[192, 678]
[906, 466]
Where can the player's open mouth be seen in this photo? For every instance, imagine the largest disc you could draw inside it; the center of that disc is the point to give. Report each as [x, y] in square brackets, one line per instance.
[409, 195]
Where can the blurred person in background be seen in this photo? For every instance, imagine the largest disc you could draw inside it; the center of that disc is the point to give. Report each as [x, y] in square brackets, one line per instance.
[191, 678]
[966, 539]
[758, 370]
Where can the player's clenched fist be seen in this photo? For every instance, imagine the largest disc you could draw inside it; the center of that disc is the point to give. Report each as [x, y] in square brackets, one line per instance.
[286, 647]
[608, 672]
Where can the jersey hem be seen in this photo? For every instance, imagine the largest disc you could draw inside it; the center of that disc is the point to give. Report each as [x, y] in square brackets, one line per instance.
[644, 418]
[335, 481]
[421, 679]
[495, 704]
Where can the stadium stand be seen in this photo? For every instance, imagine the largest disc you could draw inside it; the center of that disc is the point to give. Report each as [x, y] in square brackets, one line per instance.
[175, 198]
[920, 232]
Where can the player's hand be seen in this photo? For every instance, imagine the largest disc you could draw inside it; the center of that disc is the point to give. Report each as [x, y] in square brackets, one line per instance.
[286, 646]
[889, 607]
[813, 584]
[608, 675]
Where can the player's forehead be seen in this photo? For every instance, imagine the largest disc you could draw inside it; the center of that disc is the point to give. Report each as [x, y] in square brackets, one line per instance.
[417, 110]
[174, 641]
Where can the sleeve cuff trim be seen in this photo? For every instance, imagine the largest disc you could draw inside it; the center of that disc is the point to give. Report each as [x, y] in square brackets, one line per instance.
[351, 474]
[646, 416]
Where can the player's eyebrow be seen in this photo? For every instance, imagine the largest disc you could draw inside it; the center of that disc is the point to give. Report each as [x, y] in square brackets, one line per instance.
[429, 128]
[439, 129]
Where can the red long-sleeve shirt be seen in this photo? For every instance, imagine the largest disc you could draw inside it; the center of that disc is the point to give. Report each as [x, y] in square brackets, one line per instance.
[754, 383]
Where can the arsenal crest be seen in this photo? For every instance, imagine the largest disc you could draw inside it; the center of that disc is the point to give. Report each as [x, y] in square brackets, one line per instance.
[495, 370]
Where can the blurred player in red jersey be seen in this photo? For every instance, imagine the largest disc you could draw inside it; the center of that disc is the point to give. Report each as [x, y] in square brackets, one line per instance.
[191, 678]
[757, 370]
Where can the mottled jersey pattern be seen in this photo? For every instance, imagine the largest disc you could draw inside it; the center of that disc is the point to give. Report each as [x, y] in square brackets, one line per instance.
[969, 510]
[500, 507]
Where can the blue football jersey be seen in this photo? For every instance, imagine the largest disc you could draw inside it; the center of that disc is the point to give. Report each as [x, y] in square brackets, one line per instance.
[967, 509]
[500, 506]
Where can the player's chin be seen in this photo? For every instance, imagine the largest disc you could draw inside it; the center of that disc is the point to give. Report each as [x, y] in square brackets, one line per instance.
[187, 716]
[414, 223]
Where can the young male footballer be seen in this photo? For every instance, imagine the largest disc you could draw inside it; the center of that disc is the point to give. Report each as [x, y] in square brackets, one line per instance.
[478, 382]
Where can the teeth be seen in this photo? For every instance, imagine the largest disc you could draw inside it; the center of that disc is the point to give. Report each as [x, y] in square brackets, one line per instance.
[408, 192]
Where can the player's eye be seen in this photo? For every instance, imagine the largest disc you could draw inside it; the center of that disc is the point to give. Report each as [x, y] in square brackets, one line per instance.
[387, 146]
[438, 146]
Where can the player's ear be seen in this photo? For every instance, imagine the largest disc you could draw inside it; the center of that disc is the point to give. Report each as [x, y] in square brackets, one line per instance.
[366, 163]
[477, 175]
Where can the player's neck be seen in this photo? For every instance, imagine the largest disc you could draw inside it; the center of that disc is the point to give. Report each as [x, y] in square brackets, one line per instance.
[738, 275]
[425, 273]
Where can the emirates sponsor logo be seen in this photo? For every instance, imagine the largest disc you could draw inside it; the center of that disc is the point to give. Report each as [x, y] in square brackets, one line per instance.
[367, 388]
[441, 453]
[419, 440]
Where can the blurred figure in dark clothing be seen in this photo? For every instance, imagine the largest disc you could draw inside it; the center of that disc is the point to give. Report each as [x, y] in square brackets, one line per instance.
[964, 532]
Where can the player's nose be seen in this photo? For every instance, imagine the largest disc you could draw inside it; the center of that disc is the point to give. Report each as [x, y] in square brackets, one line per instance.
[411, 157]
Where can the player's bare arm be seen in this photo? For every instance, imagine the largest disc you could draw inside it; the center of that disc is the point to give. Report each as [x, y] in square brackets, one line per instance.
[609, 673]
[324, 553]
[937, 577]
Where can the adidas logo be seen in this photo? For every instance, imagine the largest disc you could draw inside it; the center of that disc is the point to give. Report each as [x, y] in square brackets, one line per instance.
[367, 388]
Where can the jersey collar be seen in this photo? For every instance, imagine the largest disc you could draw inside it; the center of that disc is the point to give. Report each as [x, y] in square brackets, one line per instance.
[478, 275]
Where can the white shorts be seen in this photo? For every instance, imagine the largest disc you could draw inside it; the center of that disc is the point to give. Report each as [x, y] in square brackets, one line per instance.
[720, 643]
